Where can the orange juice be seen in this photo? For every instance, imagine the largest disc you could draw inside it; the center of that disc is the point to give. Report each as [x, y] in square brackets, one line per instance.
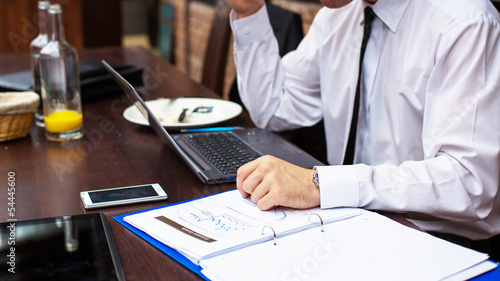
[63, 121]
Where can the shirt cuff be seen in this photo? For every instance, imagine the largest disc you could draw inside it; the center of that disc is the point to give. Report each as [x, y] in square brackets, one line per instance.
[338, 186]
[250, 29]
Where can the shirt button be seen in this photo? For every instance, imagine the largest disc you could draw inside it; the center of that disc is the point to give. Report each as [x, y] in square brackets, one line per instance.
[246, 30]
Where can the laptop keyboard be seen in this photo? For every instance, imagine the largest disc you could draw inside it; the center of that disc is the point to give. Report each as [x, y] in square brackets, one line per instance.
[226, 151]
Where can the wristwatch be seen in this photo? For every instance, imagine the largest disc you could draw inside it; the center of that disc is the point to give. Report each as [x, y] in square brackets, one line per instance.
[315, 177]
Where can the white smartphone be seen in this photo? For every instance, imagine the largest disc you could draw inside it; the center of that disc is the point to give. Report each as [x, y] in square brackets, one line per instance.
[122, 195]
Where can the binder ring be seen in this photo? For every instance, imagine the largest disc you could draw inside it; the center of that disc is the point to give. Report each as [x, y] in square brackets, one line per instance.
[274, 233]
[320, 219]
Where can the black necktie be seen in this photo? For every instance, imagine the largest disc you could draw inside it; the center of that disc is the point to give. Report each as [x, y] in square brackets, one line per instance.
[349, 155]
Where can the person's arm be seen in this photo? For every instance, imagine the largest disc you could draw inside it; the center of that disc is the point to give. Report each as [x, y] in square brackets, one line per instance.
[279, 93]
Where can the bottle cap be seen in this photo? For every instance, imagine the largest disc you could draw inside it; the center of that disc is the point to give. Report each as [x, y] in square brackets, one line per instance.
[55, 9]
[43, 5]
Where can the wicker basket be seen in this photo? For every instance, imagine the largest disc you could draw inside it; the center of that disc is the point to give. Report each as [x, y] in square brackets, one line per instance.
[16, 114]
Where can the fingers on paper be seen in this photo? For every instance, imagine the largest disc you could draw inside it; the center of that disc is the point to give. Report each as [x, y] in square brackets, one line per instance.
[256, 180]
[242, 182]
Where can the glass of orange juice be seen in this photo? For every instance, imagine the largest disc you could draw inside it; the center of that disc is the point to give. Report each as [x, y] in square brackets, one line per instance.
[62, 112]
[62, 106]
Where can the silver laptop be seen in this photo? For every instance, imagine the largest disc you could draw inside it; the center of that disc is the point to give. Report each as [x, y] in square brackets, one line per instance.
[215, 156]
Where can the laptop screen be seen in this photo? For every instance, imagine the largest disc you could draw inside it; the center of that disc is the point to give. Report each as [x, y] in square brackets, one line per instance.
[132, 94]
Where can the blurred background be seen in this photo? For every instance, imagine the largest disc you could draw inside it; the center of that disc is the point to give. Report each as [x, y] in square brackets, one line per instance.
[177, 30]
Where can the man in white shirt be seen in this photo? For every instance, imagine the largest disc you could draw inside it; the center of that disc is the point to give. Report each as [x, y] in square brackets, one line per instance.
[428, 132]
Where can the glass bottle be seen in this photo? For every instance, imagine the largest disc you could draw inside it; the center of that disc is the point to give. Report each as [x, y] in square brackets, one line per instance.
[60, 78]
[35, 47]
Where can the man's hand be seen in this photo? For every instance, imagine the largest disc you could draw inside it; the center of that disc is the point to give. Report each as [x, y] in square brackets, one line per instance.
[245, 8]
[271, 182]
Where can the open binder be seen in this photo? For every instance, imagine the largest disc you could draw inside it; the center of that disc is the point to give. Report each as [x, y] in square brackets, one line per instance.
[343, 244]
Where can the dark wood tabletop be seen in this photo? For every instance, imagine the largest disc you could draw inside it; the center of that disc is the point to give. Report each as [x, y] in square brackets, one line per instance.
[114, 152]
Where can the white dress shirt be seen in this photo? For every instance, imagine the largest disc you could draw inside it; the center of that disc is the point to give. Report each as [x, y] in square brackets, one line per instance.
[429, 127]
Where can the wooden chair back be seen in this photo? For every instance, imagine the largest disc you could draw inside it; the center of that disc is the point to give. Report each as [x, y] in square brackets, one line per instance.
[214, 66]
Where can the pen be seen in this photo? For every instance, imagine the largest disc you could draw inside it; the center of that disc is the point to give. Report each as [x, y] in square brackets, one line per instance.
[213, 129]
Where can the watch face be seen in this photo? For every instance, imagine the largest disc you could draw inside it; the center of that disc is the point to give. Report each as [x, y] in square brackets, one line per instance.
[316, 177]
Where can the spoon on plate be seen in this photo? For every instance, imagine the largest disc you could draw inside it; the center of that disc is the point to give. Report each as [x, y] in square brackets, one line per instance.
[182, 116]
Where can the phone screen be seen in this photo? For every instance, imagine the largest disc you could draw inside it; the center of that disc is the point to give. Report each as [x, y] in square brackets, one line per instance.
[122, 194]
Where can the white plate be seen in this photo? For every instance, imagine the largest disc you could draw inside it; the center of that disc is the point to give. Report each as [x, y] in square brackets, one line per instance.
[168, 111]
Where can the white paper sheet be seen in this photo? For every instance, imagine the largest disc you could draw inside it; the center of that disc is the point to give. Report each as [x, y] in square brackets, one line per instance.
[365, 247]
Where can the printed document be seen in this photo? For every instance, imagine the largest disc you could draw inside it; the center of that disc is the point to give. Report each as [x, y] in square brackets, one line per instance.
[211, 225]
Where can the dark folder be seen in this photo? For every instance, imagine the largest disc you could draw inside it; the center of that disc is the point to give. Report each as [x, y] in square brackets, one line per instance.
[95, 81]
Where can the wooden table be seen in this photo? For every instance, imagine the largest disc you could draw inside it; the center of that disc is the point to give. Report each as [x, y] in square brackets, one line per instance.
[114, 152]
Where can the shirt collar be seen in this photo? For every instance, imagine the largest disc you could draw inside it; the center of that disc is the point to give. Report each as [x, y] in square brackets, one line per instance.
[390, 12]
